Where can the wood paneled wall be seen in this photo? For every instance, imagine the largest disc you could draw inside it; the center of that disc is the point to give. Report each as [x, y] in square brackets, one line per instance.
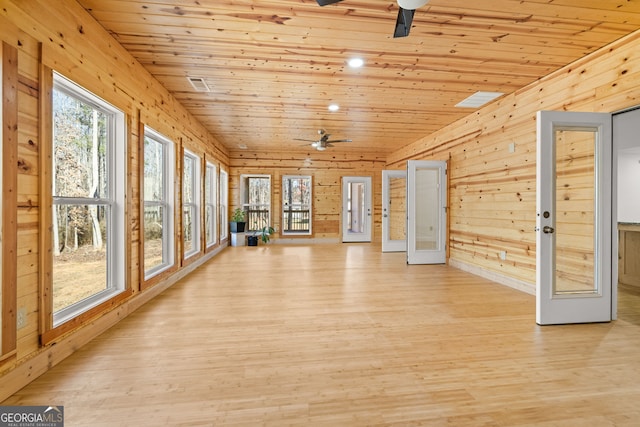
[492, 191]
[63, 37]
[326, 169]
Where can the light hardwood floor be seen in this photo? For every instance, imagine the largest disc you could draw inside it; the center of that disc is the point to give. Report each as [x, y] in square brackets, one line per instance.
[343, 335]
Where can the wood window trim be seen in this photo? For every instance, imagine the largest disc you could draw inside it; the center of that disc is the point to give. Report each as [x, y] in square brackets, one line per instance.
[51, 335]
[9, 260]
[160, 277]
[198, 180]
[47, 332]
[208, 160]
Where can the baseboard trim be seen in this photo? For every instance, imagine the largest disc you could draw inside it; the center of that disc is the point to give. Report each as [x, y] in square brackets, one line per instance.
[305, 241]
[521, 285]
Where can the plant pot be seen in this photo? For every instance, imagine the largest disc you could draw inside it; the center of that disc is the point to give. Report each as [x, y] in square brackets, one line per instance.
[252, 240]
[237, 227]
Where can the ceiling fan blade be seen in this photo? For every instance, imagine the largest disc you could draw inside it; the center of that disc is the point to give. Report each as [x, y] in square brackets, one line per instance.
[338, 140]
[403, 23]
[326, 2]
[306, 140]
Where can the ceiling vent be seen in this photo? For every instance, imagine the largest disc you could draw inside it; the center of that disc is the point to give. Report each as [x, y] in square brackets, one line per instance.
[199, 84]
[479, 99]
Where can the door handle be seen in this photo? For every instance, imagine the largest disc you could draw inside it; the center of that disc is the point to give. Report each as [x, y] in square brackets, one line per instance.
[548, 230]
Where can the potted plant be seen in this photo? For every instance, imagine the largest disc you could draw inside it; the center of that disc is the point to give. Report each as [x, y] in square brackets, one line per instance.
[264, 234]
[237, 221]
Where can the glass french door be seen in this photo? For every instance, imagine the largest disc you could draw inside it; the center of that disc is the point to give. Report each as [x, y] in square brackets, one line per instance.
[356, 209]
[426, 212]
[394, 210]
[574, 220]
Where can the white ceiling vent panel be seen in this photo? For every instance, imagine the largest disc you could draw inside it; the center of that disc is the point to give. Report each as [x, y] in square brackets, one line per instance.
[199, 84]
[478, 99]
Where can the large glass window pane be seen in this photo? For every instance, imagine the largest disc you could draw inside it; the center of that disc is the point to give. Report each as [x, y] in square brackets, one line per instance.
[154, 165]
[190, 204]
[397, 209]
[80, 268]
[88, 193]
[80, 148]
[296, 204]
[356, 219]
[154, 253]
[427, 223]
[210, 205]
[224, 204]
[575, 228]
[256, 200]
[158, 203]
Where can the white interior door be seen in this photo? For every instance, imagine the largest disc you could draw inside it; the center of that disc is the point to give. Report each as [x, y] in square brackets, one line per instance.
[426, 212]
[573, 226]
[356, 209]
[394, 211]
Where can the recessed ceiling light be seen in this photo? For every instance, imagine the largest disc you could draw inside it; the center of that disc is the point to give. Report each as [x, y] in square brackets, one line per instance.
[478, 99]
[333, 107]
[242, 146]
[356, 62]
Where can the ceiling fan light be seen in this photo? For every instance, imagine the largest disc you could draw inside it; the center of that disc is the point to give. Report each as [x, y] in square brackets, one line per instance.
[320, 147]
[412, 4]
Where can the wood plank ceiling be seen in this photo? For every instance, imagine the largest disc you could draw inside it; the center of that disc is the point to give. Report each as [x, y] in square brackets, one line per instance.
[274, 66]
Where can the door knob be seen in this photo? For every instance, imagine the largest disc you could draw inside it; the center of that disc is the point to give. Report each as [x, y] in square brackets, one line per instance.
[548, 230]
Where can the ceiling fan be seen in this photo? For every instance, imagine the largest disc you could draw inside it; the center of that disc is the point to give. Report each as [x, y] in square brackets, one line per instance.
[324, 141]
[407, 8]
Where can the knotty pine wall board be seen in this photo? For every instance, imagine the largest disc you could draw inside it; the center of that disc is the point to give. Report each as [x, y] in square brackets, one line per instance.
[492, 191]
[70, 41]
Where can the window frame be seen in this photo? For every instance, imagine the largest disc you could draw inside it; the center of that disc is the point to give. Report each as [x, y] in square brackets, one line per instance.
[195, 204]
[244, 200]
[223, 202]
[115, 202]
[210, 204]
[167, 202]
[283, 229]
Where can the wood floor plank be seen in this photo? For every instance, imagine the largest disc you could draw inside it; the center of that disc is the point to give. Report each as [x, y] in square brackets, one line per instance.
[344, 335]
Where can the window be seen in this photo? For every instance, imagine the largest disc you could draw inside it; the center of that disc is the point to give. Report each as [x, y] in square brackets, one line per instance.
[296, 204]
[190, 204]
[210, 221]
[256, 200]
[88, 200]
[157, 193]
[224, 204]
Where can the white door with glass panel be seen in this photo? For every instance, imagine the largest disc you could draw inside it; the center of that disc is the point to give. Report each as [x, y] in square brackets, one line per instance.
[574, 218]
[426, 212]
[394, 211]
[356, 209]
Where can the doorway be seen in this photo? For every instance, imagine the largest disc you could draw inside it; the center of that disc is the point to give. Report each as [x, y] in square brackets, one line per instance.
[356, 209]
[394, 210]
[606, 148]
[574, 218]
[426, 212]
[626, 127]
